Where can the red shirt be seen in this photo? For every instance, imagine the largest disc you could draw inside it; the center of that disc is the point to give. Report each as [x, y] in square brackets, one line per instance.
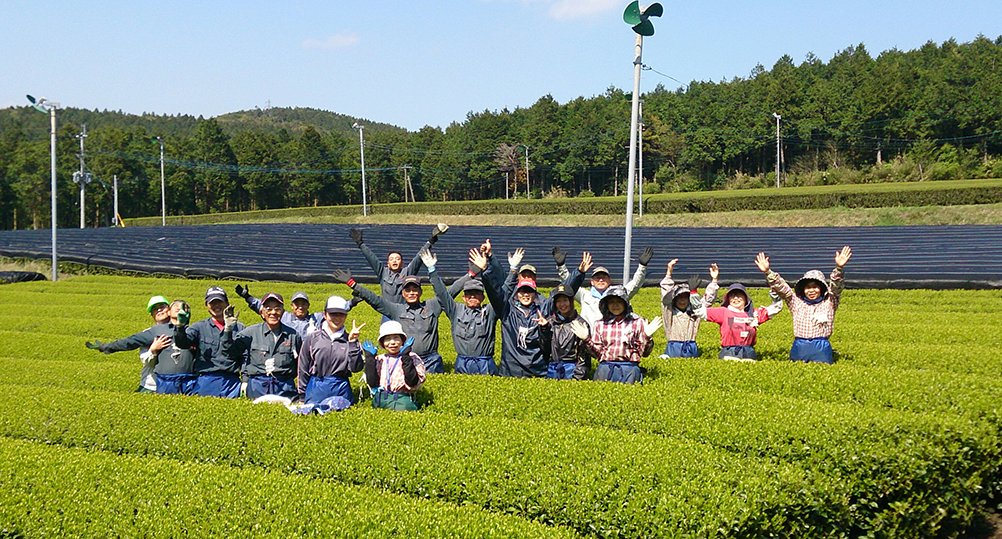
[736, 327]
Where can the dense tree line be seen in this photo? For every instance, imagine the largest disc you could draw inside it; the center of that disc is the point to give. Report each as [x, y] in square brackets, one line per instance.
[930, 113]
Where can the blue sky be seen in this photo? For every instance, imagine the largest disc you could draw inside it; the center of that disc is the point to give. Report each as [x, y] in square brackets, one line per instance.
[415, 63]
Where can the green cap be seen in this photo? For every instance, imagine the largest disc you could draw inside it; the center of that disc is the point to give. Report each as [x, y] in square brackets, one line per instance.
[155, 300]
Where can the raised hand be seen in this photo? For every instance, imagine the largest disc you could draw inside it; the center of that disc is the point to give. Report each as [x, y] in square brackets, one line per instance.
[559, 256]
[356, 235]
[762, 262]
[429, 258]
[343, 276]
[485, 248]
[440, 229]
[585, 264]
[184, 315]
[369, 348]
[230, 317]
[242, 291]
[694, 283]
[645, 256]
[671, 266]
[406, 348]
[653, 325]
[579, 329]
[515, 259]
[355, 331]
[842, 257]
[478, 261]
[714, 271]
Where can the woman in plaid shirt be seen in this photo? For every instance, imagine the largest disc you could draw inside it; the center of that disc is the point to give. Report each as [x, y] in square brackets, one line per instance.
[621, 338]
[812, 304]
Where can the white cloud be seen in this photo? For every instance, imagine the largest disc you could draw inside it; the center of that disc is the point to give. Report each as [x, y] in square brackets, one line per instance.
[579, 9]
[337, 41]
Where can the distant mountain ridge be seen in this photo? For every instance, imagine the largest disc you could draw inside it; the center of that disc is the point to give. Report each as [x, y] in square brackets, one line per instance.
[270, 120]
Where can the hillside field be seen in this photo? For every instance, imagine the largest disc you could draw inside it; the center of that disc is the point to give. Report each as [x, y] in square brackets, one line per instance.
[900, 438]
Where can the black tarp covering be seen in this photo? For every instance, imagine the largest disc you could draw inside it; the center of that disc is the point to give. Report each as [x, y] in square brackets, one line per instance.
[883, 257]
[8, 277]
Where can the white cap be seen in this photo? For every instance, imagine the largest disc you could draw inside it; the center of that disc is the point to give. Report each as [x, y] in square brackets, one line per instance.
[390, 327]
[337, 304]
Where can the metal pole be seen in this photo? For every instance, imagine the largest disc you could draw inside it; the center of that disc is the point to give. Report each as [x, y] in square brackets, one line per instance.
[114, 188]
[640, 160]
[777, 147]
[163, 187]
[82, 136]
[631, 176]
[52, 150]
[527, 197]
[361, 153]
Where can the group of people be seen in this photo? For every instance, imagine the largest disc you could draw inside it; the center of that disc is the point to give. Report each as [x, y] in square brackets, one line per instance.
[310, 357]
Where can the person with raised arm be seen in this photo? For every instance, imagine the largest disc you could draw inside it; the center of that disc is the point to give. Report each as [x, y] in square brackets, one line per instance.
[392, 275]
[682, 310]
[299, 318]
[395, 376]
[621, 338]
[600, 282]
[268, 351]
[218, 373]
[474, 323]
[812, 304]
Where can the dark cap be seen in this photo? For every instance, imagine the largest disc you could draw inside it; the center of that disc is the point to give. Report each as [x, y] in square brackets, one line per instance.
[412, 279]
[300, 295]
[274, 296]
[561, 290]
[214, 292]
[473, 285]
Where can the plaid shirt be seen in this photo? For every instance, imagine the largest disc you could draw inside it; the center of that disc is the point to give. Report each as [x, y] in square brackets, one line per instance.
[810, 321]
[620, 339]
[680, 325]
[391, 373]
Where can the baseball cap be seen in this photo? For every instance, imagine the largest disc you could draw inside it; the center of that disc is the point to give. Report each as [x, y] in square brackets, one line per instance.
[561, 290]
[337, 304]
[600, 269]
[155, 300]
[272, 295]
[526, 282]
[527, 267]
[300, 295]
[473, 285]
[412, 279]
[214, 292]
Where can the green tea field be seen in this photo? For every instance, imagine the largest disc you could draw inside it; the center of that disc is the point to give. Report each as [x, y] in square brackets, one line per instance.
[902, 437]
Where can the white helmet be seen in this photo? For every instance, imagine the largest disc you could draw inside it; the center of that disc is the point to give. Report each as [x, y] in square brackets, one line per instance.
[390, 327]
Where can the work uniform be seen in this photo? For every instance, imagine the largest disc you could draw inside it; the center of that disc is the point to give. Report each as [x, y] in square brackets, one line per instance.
[419, 320]
[269, 358]
[302, 326]
[390, 282]
[218, 373]
[172, 366]
[326, 361]
[473, 330]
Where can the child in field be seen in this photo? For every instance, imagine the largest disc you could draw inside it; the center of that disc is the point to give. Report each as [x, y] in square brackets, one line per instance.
[682, 309]
[812, 304]
[393, 377]
[739, 321]
[620, 338]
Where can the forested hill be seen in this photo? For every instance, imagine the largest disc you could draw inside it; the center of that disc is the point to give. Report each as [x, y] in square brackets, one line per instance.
[934, 113]
[270, 120]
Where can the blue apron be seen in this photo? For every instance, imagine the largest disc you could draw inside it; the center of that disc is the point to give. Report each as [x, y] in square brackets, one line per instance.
[476, 365]
[817, 350]
[623, 372]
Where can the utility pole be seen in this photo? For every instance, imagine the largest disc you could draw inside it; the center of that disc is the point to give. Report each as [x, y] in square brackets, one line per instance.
[640, 157]
[777, 116]
[361, 154]
[163, 186]
[114, 183]
[526, 172]
[82, 177]
[407, 183]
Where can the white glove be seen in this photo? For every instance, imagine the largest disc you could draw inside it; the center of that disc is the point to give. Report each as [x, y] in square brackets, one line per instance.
[774, 308]
[442, 228]
[579, 329]
[230, 317]
[653, 325]
[429, 258]
[515, 259]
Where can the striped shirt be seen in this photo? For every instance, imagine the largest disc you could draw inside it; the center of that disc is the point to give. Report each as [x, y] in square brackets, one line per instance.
[810, 321]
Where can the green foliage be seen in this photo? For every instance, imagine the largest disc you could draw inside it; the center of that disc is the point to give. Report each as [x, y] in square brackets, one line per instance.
[901, 437]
